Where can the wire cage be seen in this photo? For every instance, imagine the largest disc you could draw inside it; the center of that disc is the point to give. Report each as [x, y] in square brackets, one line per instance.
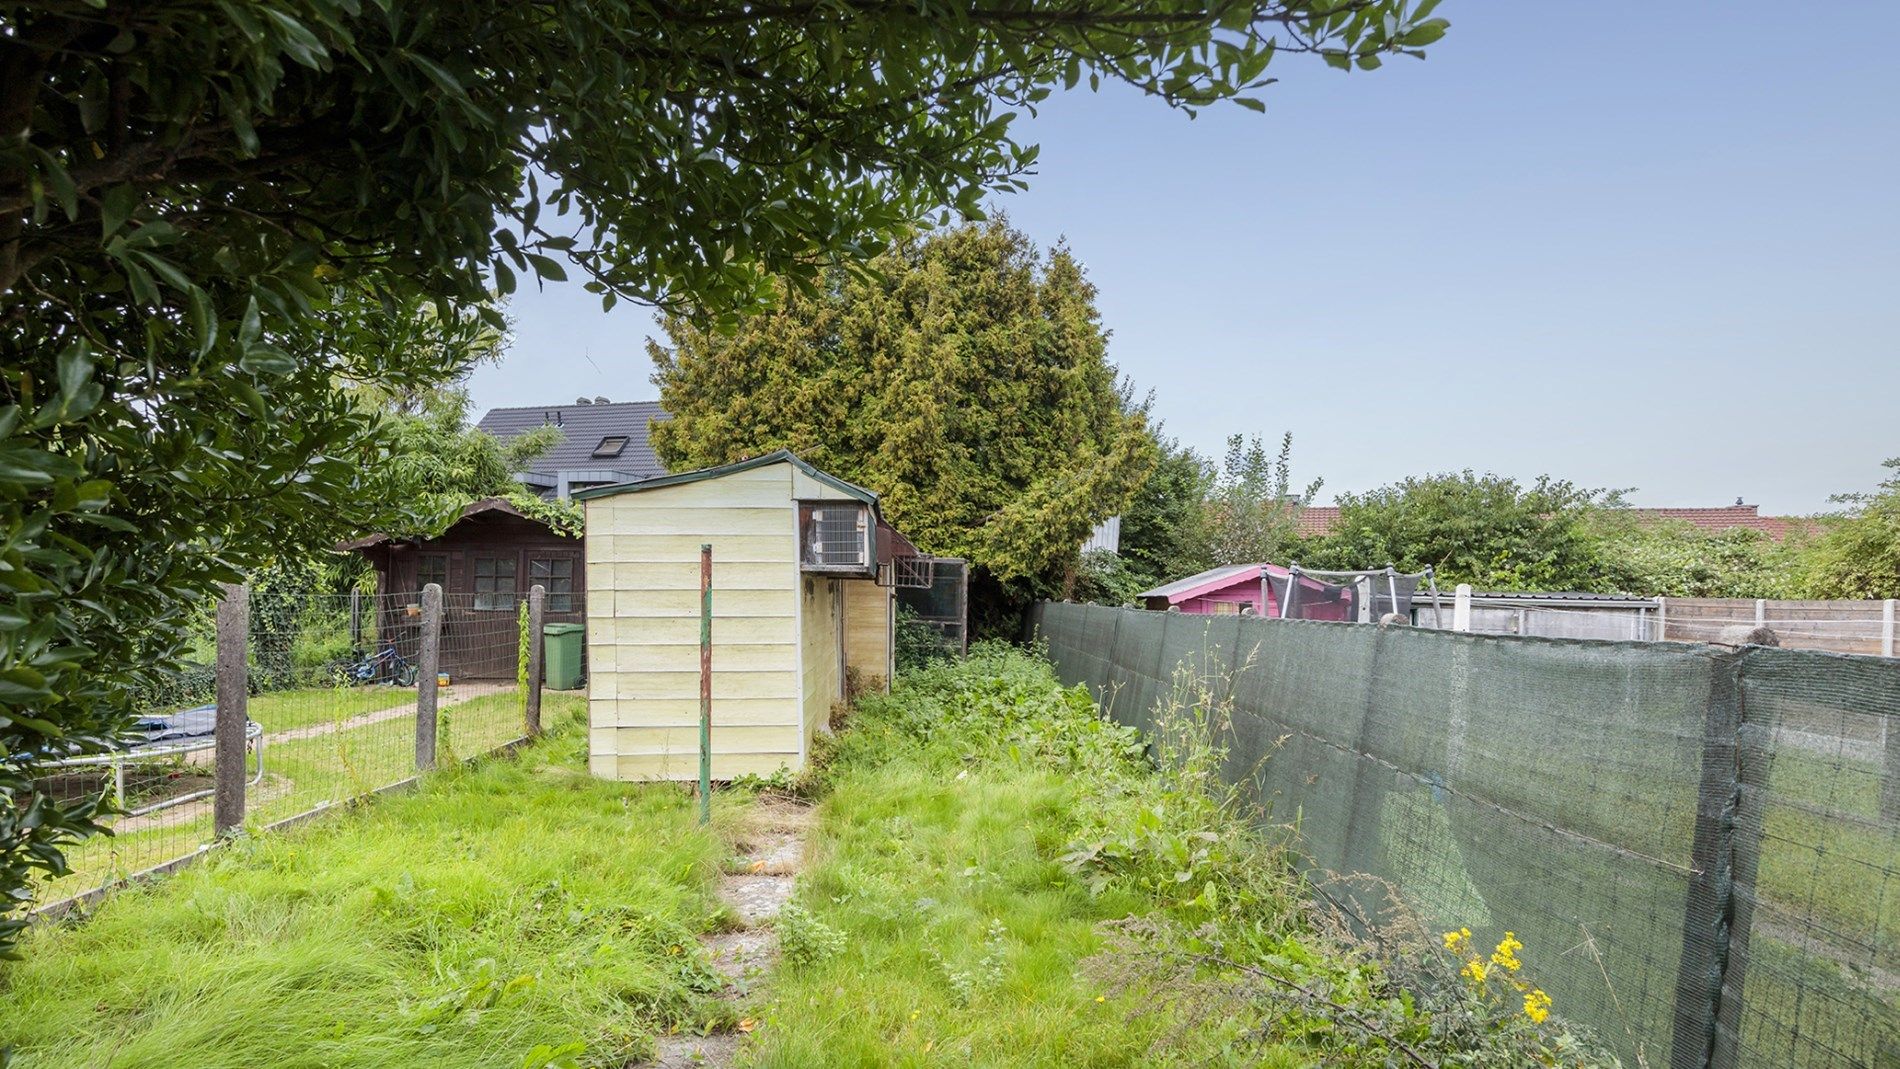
[938, 609]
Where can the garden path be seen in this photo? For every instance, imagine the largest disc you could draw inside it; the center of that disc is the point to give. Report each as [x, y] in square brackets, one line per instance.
[772, 845]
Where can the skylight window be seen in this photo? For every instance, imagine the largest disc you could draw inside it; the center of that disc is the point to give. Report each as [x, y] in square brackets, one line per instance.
[611, 446]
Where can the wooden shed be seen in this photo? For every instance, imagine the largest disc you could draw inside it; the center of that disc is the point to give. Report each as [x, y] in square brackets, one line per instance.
[485, 562]
[800, 594]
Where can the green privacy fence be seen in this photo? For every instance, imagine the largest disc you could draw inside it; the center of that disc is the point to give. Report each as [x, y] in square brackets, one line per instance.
[1698, 845]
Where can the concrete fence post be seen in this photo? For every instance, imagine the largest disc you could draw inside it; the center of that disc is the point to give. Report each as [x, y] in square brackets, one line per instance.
[1761, 612]
[234, 691]
[537, 657]
[1662, 619]
[1461, 608]
[1886, 627]
[429, 660]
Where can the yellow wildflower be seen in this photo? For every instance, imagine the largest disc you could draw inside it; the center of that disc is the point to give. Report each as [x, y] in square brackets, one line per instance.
[1474, 971]
[1454, 940]
[1506, 954]
[1537, 1005]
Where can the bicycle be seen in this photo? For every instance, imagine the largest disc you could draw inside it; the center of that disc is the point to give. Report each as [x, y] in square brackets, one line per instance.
[386, 665]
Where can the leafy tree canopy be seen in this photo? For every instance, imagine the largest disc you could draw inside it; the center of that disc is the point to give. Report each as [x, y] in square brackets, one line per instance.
[963, 377]
[1487, 530]
[1253, 509]
[1858, 555]
[211, 214]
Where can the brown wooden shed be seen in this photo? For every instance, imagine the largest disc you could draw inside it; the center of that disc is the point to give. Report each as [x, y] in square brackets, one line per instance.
[485, 563]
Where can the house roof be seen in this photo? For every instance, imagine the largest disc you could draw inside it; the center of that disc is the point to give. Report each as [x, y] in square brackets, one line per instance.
[584, 428]
[1219, 579]
[497, 505]
[1321, 519]
[780, 456]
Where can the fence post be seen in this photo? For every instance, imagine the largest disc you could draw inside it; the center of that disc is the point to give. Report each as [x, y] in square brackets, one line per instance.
[234, 625]
[537, 656]
[1708, 920]
[1761, 612]
[1662, 619]
[705, 683]
[429, 659]
[1461, 608]
[1886, 627]
[356, 619]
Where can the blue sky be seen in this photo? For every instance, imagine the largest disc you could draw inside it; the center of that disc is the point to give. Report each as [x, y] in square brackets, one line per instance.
[1629, 244]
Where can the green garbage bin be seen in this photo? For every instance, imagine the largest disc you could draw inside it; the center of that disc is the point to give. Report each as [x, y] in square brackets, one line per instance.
[563, 655]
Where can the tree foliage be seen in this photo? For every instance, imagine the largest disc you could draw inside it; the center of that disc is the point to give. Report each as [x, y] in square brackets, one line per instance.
[1253, 509]
[1858, 555]
[1487, 530]
[963, 377]
[1640, 555]
[1163, 529]
[212, 213]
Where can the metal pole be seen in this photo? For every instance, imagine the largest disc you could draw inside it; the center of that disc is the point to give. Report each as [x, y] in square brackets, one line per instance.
[356, 619]
[705, 683]
[429, 658]
[1438, 608]
[234, 625]
[1292, 591]
[1392, 588]
[537, 657]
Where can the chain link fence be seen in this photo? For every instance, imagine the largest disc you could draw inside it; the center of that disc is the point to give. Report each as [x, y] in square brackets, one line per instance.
[342, 695]
[1698, 845]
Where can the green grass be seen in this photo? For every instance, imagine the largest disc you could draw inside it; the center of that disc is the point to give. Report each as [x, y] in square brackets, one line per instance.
[984, 829]
[303, 773]
[493, 917]
[287, 709]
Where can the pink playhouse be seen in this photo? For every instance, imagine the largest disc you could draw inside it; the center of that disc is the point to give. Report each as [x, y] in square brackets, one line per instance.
[1246, 588]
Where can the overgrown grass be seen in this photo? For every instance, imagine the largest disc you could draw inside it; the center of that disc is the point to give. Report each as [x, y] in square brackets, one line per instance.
[1002, 877]
[300, 774]
[512, 915]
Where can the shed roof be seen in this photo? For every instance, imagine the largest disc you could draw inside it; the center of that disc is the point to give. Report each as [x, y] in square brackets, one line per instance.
[583, 429]
[779, 456]
[498, 505]
[1222, 577]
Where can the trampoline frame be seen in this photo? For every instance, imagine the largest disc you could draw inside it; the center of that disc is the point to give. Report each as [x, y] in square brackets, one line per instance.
[118, 759]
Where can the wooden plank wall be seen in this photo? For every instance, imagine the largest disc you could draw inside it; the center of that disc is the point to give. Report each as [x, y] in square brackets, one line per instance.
[868, 610]
[1837, 626]
[822, 650]
[643, 628]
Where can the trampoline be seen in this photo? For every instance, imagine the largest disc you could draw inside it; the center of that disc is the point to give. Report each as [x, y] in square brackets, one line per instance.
[161, 735]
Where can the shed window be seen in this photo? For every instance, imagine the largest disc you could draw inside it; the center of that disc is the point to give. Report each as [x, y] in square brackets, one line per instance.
[611, 446]
[835, 536]
[432, 568]
[556, 576]
[494, 584]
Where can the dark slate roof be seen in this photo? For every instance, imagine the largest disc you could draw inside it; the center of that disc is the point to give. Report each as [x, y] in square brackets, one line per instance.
[583, 427]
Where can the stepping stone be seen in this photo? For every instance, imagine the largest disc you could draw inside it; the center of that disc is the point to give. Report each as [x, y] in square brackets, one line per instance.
[757, 898]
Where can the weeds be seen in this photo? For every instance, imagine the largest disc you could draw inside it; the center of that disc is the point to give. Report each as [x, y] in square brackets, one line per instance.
[521, 913]
[1020, 881]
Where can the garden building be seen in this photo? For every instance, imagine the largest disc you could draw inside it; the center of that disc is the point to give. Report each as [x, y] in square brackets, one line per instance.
[485, 562]
[802, 578]
[1250, 589]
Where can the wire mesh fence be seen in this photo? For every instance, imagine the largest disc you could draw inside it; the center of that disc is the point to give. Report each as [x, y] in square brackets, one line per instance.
[335, 686]
[1697, 845]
